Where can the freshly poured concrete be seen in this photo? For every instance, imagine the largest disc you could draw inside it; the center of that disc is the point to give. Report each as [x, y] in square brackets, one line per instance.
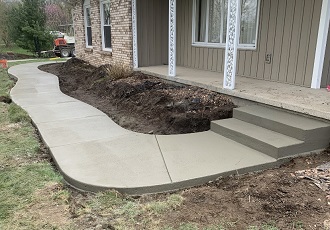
[191, 156]
[94, 153]
[289, 124]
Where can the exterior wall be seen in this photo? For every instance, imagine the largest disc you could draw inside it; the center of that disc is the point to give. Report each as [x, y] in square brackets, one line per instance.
[287, 30]
[326, 70]
[121, 34]
[152, 30]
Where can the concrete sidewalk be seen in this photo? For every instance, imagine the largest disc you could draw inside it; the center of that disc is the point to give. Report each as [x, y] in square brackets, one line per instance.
[94, 153]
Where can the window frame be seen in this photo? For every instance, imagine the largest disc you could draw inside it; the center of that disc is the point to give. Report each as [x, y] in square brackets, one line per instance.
[220, 45]
[102, 26]
[87, 5]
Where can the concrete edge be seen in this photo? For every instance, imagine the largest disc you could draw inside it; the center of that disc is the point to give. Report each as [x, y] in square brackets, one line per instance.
[169, 187]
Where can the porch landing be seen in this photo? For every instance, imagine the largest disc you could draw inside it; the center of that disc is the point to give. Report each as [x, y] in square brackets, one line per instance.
[313, 102]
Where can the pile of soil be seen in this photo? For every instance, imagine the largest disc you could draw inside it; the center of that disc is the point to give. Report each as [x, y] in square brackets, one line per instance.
[140, 102]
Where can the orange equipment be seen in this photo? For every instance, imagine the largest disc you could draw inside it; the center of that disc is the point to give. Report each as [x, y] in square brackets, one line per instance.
[4, 63]
[60, 42]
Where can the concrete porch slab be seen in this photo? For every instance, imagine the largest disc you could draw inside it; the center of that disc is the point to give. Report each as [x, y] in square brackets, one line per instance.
[313, 102]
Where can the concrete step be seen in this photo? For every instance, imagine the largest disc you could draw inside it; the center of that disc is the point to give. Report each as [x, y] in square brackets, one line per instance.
[266, 141]
[293, 125]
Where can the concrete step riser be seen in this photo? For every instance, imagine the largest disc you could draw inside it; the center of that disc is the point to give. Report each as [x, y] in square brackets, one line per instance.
[300, 134]
[257, 144]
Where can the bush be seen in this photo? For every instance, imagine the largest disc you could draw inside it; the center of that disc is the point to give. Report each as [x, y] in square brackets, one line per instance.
[118, 71]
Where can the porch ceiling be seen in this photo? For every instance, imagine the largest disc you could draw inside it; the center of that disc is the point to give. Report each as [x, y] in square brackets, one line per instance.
[314, 102]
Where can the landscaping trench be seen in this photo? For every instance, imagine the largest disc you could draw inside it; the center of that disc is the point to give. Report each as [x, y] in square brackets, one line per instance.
[140, 102]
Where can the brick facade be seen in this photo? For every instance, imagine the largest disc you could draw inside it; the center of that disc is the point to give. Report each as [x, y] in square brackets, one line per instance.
[121, 34]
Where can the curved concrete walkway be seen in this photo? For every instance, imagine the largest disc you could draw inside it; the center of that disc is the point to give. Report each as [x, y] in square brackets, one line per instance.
[94, 153]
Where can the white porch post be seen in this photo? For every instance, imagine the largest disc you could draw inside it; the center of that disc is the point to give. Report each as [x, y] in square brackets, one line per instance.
[134, 31]
[321, 45]
[172, 39]
[233, 27]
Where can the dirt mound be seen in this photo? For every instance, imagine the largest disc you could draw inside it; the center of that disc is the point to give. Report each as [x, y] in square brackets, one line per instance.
[140, 102]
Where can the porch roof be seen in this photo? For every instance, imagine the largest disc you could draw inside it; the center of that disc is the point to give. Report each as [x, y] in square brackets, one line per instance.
[313, 102]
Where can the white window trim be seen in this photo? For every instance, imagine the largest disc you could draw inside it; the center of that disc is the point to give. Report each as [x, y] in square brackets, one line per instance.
[102, 26]
[220, 45]
[87, 6]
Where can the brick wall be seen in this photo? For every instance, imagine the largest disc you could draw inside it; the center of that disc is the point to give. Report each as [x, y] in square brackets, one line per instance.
[121, 34]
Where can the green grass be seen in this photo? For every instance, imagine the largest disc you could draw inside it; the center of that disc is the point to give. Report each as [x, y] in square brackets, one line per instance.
[22, 173]
[5, 83]
[15, 49]
[16, 114]
[17, 186]
[267, 226]
[159, 207]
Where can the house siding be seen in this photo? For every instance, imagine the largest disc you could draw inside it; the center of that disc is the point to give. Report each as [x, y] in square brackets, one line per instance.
[152, 32]
[287, 29]
[121, 34]
[326, 70]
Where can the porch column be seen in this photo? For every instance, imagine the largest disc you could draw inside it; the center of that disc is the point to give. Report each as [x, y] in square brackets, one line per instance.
[233, 24]
[172, 39]
[321, 45]
[134, 31]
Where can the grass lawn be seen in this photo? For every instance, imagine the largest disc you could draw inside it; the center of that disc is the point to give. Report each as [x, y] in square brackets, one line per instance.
[15, 49]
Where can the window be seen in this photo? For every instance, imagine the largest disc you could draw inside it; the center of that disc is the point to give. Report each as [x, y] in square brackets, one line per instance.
[105, 25]
[210, 23]
[88, 25]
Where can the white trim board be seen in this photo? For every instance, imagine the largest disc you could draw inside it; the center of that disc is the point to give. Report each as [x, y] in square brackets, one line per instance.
[321, 45]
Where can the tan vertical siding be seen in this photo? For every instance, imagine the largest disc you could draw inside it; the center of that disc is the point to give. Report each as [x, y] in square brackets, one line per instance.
[277, 51]
[152, 28]
[273, 15]
[326, 70]
[287, 31]
[294, 43]
[288, 24]
[303, 43]
[263, 38]
[312, 42]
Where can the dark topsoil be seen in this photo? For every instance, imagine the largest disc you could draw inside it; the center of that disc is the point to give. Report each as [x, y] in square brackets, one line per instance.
[140, 102]
[275, 196]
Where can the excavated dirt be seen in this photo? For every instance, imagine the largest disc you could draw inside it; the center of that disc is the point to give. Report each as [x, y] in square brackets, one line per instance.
[140, 102]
